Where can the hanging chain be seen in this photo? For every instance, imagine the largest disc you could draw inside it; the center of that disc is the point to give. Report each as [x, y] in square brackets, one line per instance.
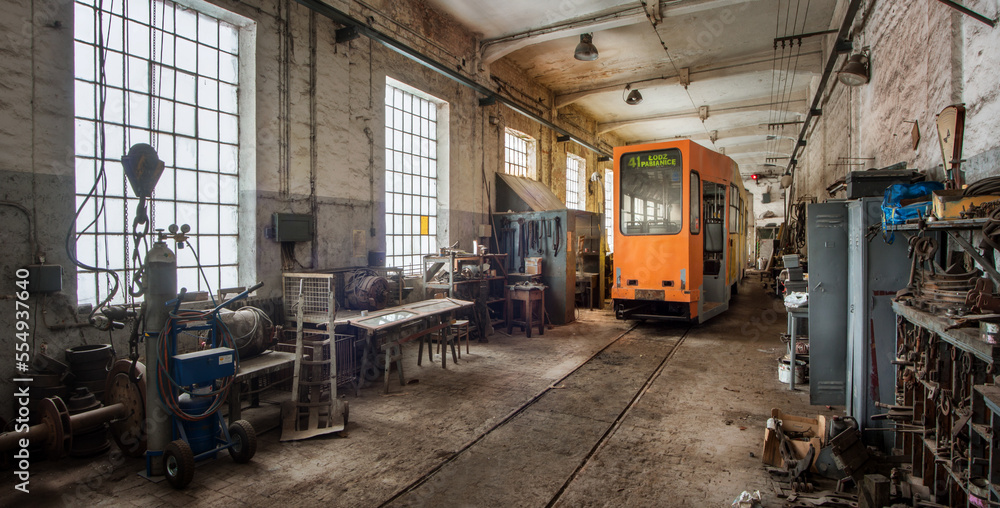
[152, 80]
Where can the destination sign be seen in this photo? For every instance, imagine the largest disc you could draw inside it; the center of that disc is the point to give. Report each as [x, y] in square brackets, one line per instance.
[655, 160]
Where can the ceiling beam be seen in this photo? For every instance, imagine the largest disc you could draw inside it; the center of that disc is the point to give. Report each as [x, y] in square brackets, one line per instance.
[721, 134]
[748, 64]
[685, 7]
[492, 50]
[715, 109]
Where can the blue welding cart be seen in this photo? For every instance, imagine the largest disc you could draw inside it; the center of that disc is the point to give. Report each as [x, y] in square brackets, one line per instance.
[199, 430]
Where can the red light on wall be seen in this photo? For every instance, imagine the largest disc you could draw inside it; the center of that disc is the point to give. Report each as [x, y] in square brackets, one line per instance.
[754, 176]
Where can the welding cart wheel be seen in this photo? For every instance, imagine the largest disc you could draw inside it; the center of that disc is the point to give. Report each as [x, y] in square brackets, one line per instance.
[178, 464]
[244, 441]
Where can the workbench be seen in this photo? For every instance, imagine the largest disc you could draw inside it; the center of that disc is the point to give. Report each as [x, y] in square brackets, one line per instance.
[253, 370]
[388, 329]
[533, 298]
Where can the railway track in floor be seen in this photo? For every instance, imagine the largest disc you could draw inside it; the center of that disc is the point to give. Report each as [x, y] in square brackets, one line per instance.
[532, 456]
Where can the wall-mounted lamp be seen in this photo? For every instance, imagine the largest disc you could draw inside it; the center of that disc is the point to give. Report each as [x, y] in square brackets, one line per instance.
[633, 98]
[586, 50]
[603, 158]
[855, 70]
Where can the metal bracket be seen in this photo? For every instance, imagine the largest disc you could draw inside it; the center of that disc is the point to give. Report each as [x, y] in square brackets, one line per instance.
[969, 12]
[967, 247]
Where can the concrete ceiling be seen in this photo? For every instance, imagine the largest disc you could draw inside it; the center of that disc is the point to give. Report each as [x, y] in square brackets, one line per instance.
[726, 47]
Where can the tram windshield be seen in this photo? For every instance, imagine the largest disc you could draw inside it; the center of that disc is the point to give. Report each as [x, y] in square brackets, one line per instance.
[651, 198]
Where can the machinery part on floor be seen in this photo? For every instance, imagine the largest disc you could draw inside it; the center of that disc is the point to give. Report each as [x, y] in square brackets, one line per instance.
[57, 427]
[126, 385]
[798, 468]
[90, 364]
[825, 499]
[851, 454]
[87, 441]
[314, 408]
[366, 290]
[253, 332]
[44, 386]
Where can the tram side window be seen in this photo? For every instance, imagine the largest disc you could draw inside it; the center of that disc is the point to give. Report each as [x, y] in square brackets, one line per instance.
[734, 209]
[651, 193]
[715, 202]
[695, 203]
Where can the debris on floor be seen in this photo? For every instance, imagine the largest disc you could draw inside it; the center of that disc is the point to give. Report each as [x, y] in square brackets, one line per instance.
[748, 500]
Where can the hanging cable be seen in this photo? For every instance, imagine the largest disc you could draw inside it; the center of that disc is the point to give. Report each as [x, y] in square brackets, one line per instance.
[169, 388]
[98, 190]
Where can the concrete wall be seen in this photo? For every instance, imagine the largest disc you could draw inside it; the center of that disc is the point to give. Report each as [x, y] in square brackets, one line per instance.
[924, 57]
[317, 138]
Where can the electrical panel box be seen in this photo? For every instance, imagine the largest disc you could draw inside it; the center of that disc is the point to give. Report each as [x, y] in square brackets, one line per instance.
[293, 227]
[204, 367]
[44, 278]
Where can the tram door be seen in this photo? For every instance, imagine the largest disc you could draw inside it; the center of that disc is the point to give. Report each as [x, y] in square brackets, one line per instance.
[714, 291]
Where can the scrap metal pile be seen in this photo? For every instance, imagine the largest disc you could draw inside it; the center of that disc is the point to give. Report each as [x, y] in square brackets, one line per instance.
[954, 292]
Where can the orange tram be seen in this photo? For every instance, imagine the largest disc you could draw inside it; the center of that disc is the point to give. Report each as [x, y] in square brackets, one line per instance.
[680, 218]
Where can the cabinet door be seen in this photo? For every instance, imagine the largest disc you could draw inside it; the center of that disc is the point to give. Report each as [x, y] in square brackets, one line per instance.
[827, 236]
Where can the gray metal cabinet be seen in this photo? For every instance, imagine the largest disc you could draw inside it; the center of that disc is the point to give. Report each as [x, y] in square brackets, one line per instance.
[876, 270]
[827, 236]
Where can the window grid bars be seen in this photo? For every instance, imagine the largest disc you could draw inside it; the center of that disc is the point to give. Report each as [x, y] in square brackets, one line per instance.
[516, 160]
[411, 179]
[204, 209]
[609, 231]
[574, 165]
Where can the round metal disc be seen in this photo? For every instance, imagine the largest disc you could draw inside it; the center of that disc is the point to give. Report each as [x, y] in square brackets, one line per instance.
[128, 388]
[56, 416]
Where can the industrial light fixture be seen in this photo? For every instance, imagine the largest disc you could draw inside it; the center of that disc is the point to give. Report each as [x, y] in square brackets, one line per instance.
[855, 71]
[586, 50]
[633, 98]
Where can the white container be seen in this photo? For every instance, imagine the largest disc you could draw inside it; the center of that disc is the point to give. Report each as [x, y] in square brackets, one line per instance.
[800, 371]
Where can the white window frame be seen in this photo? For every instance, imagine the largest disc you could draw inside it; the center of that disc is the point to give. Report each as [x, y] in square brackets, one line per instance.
[415, 178]
[519, 154]
[193, 100]
[609, 203]
[576, 167]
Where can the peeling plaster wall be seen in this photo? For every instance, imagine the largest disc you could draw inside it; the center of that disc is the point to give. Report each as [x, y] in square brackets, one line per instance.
[333, 133]
[925, 57]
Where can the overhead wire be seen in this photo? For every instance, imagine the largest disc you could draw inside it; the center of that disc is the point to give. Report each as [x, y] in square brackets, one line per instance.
[774, 66]
[790, 80]
[677, 70]
[784, 79]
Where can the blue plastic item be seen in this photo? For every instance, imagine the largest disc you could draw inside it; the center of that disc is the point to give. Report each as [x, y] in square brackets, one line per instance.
[893, 212]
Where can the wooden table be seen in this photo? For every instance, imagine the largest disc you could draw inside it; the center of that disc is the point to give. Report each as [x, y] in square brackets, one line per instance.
[530, 296]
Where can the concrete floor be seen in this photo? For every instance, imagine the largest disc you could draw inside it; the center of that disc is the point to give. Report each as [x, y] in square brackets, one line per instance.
[669, 415]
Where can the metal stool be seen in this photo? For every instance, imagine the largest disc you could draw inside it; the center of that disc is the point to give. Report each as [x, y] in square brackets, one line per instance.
[461, 330]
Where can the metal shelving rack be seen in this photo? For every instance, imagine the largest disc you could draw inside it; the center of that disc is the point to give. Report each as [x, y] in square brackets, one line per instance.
[496, 295]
